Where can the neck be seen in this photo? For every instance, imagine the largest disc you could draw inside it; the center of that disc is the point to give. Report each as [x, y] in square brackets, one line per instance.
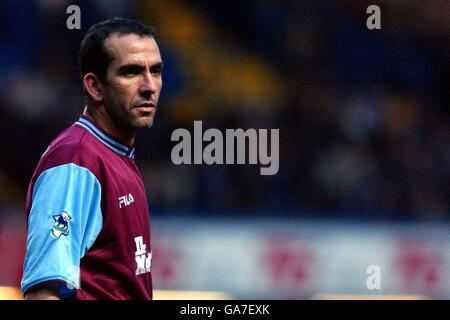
[105, 122]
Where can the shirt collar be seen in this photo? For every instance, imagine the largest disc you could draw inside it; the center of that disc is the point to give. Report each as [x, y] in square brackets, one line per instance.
[105, 138]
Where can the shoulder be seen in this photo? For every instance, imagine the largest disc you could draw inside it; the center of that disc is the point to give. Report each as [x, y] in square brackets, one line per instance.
[71, 159]
[72, 146]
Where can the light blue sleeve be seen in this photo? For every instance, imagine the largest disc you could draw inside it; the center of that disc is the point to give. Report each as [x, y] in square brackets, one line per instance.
[64, 220]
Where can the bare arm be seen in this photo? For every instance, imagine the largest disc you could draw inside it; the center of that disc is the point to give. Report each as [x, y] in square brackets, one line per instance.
[48, 292]
[41, 295]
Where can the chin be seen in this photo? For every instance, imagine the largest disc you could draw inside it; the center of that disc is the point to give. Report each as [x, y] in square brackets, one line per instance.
[143, 123]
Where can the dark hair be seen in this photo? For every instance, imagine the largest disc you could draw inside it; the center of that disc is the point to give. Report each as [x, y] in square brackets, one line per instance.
[93, 55]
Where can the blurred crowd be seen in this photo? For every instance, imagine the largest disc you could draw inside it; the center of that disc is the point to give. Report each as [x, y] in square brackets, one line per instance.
[363, 114]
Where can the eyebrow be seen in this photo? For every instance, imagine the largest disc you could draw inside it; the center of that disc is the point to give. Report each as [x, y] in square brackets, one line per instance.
[157, 65]
[138, 67]
[130, 67]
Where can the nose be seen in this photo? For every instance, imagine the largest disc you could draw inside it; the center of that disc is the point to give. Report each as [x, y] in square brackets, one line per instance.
[148, 85]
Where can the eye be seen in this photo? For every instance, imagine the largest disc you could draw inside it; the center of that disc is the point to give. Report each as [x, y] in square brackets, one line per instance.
[156, 69]
[130, 70]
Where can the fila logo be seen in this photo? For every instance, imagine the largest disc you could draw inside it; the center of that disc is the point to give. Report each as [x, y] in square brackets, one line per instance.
[126, 200]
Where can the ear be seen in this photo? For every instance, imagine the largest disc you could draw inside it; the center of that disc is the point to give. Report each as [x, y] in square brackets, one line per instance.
[93, 87]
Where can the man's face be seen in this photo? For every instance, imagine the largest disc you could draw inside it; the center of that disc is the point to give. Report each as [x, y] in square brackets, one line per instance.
[133, 80]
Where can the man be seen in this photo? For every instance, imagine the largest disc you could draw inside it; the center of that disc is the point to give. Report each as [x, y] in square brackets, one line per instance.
[88, 219]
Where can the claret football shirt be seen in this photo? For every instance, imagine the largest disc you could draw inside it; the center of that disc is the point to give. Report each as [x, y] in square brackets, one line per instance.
[88, 218]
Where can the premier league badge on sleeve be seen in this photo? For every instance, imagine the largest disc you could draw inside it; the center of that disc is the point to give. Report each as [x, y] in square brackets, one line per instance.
[61, 226]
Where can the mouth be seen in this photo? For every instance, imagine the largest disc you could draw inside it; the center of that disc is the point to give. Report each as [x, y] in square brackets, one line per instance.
[146, 107]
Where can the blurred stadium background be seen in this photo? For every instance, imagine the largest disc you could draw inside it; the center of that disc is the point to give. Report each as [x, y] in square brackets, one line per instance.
[364, 142]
